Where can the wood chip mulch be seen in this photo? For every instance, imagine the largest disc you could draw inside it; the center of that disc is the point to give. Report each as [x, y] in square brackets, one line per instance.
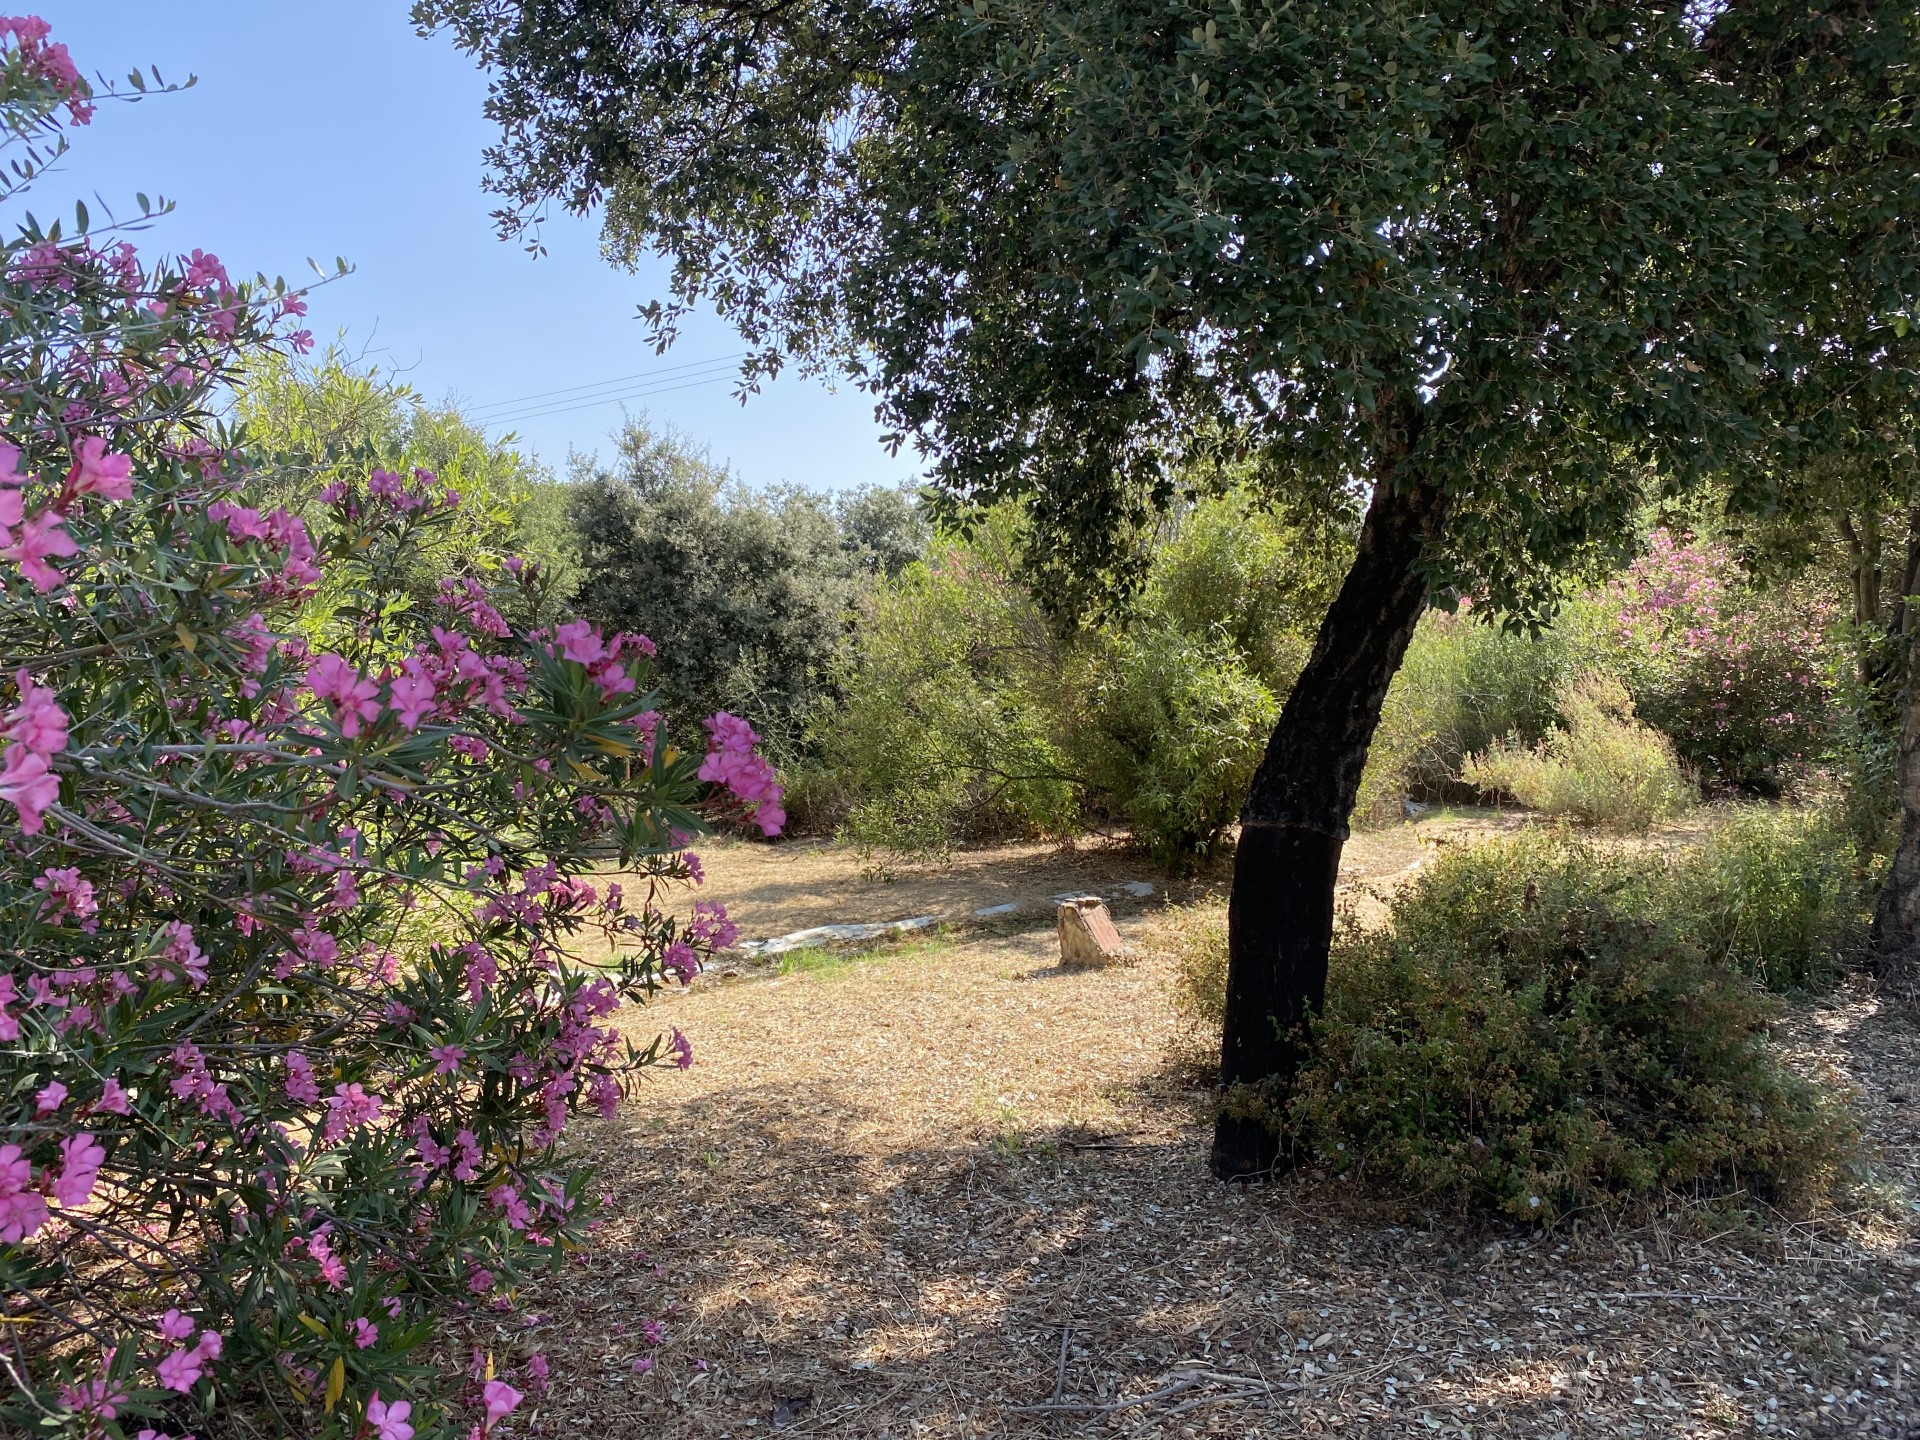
[952, 1190]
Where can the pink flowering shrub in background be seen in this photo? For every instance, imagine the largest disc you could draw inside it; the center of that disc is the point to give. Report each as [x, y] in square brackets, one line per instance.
[300, 981]
[1734, 676]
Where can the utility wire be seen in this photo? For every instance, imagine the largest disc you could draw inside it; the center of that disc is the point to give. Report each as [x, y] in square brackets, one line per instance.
[644, 376]
[605, 400]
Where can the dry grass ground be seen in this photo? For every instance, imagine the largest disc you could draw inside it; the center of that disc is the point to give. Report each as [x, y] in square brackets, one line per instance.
[951, 1190]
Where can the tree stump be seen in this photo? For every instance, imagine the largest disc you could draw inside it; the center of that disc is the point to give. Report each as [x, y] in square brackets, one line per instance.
[1087, 937]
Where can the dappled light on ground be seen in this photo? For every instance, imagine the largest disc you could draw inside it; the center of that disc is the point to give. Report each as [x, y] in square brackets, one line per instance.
[952, 1190]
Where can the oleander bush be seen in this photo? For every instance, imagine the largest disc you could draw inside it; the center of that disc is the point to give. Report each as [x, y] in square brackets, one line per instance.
[1734, 675]
[292, 1009]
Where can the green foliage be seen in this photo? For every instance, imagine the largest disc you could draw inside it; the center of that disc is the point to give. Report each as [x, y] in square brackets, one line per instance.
[1255, 581]
[1528, 1035]
[330, 420]
[966, 711]
[944, 727]
[1777, 893]
[1602, 766]
[1171, 704]
[1171, 731]
[1196, 936]
[750, 591]
[1466, 683]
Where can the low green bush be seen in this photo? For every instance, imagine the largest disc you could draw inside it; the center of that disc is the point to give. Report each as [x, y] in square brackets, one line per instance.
[1527, 1034]
[1775, 892]
[1602, 767]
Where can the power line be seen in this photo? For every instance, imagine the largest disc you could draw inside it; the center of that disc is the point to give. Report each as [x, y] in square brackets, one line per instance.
[603, 400]
[644, 375]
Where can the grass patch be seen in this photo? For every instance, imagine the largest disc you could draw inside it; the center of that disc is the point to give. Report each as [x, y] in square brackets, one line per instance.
[828, 962]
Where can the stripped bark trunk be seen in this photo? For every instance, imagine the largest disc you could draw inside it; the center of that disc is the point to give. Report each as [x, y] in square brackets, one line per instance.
[1294, 824]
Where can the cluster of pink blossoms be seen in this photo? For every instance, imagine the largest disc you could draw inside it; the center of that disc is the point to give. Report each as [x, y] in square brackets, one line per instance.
[733, 762]
[33, 541]
[583, 644]
[37, 730]
[23, 1201]
[49, 62]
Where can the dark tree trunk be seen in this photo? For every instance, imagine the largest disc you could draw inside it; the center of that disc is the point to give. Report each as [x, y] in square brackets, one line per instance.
[1896, 918]
[1280, 917]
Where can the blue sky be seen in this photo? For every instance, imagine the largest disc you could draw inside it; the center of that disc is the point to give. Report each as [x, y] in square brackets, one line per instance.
[324, 129]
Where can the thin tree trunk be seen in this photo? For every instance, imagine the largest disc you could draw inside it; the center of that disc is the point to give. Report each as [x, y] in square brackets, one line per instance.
[1896, 917]
[1280, 916]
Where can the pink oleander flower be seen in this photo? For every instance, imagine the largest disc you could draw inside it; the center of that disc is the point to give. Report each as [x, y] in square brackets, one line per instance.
[733, 762]
[37, 722]
[300, 1085]
[349, 1108]
[175, 1326]
[682, 1049]
[22, 1210]
[412, 694]
[96, 1398]
[446, 1058]
[243, 523]
[579, 641]
[80, 1161]
[179, 1370]
[501, 1400]
[50, 1098]
[42, 538]
[27, 782]
[680, 962]
[365, 1334]
[69, 896]
[389, 1422]
[179, 952]
[351, 696]
[95, 472]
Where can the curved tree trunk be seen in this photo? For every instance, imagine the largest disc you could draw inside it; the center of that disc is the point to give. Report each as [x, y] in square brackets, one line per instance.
[1280, 917]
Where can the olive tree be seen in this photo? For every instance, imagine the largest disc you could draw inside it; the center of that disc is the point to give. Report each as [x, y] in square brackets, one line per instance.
[1488, 267]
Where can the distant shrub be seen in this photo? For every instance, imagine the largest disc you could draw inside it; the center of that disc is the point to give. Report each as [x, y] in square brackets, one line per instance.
[1735, 676]
[945, 728]
[1243, 579]
[751, 591]
[1603, 767]
[964, 711]
[1467, 683]
[1775, 892]
[1526, 1034]
[1169, 734]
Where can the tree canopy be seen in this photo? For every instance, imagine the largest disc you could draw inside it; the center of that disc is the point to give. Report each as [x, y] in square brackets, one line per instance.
[1065, 242]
